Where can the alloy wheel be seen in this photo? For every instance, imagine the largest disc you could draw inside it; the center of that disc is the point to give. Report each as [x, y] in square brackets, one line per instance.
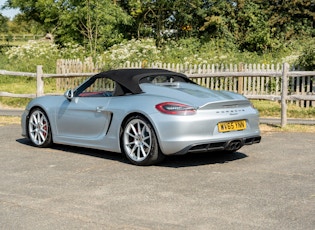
[137, 140]
[38, 128]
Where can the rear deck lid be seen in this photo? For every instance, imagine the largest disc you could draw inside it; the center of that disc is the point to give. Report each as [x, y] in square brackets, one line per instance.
[195, 95]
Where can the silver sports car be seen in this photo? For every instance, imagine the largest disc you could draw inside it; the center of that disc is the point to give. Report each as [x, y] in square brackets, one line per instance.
[144, 113]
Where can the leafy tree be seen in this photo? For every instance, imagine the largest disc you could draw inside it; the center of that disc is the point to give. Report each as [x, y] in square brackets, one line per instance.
[90, 22]
[164, 18]
[189, 17]
[3, 24]
[258, 25]
[20, 25]
[253, 32]
[220, 20]
[307, 59]
[288, 19]
[100, 22]
[252, 25]
[45, 12]
[150, 17]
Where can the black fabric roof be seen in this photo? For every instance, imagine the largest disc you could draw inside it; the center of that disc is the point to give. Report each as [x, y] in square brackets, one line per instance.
[128, 79]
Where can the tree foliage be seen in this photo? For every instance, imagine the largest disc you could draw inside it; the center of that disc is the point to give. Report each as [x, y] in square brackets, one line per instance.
[307, 59]
[94, 23]
[252, 25]
[3, 24]
[164, 18]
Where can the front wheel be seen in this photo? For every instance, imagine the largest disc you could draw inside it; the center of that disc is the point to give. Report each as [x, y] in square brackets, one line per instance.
[39, 130]
[139, 142]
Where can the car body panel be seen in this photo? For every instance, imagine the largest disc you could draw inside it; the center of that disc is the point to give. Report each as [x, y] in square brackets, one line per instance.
[96, 122]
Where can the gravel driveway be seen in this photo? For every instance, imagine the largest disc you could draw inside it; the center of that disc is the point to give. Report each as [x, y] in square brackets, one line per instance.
[266, 186]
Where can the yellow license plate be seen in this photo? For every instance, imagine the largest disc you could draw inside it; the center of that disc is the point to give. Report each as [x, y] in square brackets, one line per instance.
[231, 126]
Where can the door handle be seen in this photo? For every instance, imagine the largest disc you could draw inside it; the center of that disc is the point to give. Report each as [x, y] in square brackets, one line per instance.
[99, 109]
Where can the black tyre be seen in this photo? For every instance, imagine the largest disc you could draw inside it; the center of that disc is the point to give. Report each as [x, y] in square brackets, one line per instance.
[139, 142]
[39, 130]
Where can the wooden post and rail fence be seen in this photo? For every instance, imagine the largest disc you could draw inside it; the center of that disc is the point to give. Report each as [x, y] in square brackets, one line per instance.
[273, 83]
[5, 38]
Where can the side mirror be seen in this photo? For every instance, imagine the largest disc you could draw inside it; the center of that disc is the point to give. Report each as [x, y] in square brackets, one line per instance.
[69, 94]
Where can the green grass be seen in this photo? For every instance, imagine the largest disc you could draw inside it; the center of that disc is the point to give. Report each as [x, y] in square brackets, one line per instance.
[22, 85]
[17, 84]
[273, 109]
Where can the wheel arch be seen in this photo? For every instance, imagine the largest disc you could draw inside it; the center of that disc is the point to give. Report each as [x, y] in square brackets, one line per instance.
[134, 114]
[155, 154]
[46, 114]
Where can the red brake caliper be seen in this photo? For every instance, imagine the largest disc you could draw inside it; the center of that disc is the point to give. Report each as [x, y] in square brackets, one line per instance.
[45, 128]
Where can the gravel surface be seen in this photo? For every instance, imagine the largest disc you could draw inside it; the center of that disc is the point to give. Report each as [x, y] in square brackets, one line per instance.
[270, 185]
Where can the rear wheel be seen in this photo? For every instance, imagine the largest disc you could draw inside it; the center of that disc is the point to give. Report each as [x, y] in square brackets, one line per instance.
[39, 130]
[139, 142]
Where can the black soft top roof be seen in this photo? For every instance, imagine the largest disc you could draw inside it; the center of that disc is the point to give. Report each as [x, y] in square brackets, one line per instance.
[128, 80]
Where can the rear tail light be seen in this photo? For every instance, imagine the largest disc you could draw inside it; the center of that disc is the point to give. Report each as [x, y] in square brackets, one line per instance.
[174, 108]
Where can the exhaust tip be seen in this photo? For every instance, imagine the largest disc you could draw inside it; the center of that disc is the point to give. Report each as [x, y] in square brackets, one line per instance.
[234, 145]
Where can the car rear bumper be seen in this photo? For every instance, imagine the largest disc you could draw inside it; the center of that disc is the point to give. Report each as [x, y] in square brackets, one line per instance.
[230, 145]
[200, 133]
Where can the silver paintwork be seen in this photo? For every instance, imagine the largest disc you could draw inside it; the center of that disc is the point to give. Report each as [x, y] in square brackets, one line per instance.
[96, 122]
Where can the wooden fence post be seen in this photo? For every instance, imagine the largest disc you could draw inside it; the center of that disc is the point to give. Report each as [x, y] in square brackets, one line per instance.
[39, 81]
[284, 94]
[240, 80]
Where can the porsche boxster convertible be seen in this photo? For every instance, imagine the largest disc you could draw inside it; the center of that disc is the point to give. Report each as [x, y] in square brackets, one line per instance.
[146, 114]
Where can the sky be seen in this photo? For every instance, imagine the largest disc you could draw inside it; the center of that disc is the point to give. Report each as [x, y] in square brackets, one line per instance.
[8, 13]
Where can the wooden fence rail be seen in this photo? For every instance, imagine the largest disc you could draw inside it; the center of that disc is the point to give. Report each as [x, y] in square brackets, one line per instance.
[272, 84]
[19, 37]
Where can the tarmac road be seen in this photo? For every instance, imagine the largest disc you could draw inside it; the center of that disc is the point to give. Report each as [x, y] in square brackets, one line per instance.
[270, 185]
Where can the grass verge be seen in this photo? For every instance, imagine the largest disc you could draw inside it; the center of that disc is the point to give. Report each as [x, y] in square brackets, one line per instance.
[9, 120]
[265, 128]
[273, 109]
